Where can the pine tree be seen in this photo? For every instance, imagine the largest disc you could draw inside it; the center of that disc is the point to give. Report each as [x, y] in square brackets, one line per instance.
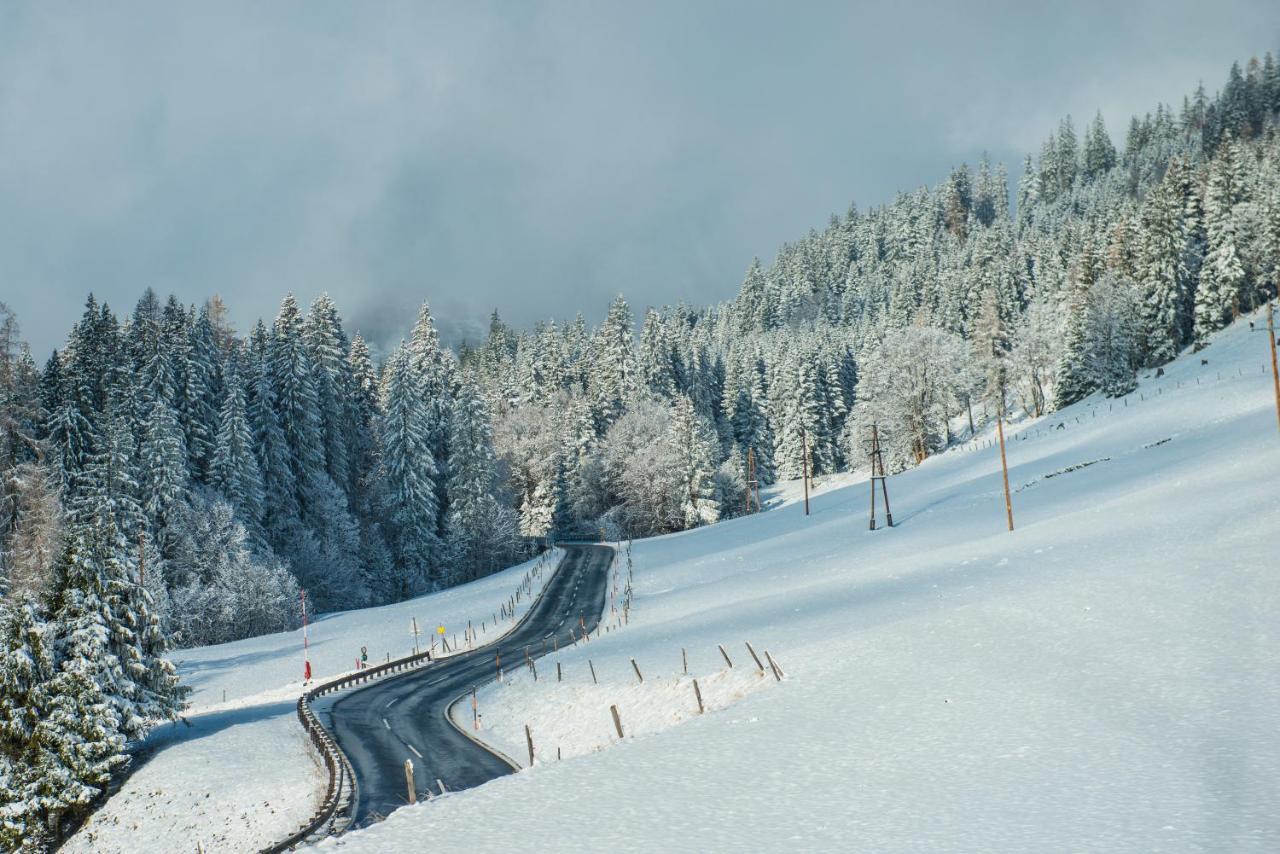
[234, 468]
[278, 483]
[1222, 277]
[409, 474]
[1099, 154]
[293, 384]
[327, 346]
[162, 464]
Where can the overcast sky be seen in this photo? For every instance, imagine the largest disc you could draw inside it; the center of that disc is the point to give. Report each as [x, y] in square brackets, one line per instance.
[534, 157]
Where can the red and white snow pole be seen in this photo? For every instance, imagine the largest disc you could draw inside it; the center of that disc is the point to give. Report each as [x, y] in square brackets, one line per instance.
[306, 650]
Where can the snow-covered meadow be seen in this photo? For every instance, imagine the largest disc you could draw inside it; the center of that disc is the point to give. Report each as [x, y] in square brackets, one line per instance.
[238, 772]
[1103, 678]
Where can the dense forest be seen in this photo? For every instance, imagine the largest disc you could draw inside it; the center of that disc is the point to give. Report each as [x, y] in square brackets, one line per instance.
[167, 481]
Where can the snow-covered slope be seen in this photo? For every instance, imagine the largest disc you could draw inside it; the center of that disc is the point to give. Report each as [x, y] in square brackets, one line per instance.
[1103, 678]
[238, 773]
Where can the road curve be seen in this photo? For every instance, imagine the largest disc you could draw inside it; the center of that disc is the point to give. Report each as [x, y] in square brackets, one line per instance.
[405, 717]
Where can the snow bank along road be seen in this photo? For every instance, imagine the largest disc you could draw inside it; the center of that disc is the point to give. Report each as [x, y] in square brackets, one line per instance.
[406, 717]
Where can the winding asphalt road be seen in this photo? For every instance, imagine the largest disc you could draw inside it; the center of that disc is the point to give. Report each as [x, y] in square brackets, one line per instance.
[405, 717]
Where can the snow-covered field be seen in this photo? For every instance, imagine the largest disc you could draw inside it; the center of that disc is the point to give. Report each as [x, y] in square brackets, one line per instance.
[242, 774]
[1104, 678]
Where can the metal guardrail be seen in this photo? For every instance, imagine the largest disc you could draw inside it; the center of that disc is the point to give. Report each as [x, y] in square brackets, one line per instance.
[332, 815]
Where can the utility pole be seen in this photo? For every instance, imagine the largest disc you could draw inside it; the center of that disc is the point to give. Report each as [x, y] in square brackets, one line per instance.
[804, 466]
[1271, 338]
[1004, 468]
[877, 464]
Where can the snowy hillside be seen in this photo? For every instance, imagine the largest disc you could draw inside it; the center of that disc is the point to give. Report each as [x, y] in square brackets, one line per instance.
[1102, 679]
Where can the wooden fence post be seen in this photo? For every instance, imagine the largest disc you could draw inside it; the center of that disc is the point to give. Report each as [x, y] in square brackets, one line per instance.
[684, 660]
[697, 692]
[756, 657]
[636, 667]
[726, 656]
[528, 737]
[777, 671]
[617, 721]
[593, 672]
[408, 777]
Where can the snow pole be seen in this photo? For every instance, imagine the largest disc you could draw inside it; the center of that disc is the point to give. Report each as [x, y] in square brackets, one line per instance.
[306, 649]
[1004, 468]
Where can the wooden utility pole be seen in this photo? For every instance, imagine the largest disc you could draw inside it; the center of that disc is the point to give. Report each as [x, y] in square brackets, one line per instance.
[804, 466]
[1004, 468]
[878, 473]
[1271, 338]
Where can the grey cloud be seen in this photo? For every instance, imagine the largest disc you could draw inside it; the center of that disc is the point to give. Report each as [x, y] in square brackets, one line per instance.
[534, 157]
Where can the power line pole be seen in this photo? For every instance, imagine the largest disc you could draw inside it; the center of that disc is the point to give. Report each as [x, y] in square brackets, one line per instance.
[1004, 468]
[877, 464]
[804, 466]
[1271, 338]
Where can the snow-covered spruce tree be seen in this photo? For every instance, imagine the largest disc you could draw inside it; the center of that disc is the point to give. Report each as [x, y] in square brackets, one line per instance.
[1073, 379]
[434, 374]
[693, 443]
[407, 469]
[233, 470]
[96, 583]
[483, 534]
[612, 372]
[298, 407]
[162, 466]
[1222, 277]
[327, 347]
[279, 484]
[1164, 278]
[1112, 335]
[60, 742]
